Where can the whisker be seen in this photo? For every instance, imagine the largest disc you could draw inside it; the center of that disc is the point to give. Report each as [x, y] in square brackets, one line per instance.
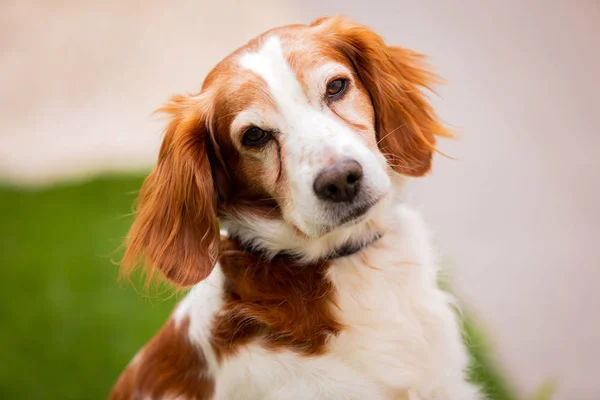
[272, 209]
[271, 198]
[390, 132]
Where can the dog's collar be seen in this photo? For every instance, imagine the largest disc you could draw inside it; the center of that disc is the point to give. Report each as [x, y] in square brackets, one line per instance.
[349, 249]
[344, 250]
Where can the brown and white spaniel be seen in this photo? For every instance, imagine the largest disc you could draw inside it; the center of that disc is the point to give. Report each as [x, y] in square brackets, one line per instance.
[323, 283]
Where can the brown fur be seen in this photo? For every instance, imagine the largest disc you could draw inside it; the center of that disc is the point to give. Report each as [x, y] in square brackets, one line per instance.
[169, 366]
[176, 228]
[285, 304]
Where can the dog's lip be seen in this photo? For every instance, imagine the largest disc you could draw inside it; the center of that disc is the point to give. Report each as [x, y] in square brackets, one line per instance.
[355, 216]
[358, 212]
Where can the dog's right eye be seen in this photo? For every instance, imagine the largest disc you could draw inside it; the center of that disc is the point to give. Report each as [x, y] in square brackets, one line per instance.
[255, 136]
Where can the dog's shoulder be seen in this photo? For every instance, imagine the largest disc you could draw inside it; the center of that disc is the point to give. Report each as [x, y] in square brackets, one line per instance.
[179, 361]
[169, 366]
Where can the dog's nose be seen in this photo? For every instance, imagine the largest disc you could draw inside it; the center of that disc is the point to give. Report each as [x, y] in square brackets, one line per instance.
[339, 182]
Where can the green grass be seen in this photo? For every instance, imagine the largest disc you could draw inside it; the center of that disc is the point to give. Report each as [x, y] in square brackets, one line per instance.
[68, 327]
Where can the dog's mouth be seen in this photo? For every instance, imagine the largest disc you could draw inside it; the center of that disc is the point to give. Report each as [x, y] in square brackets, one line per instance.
[350, 216]
[356, 214]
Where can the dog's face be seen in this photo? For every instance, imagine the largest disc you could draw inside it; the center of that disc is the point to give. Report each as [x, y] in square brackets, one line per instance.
[303, 126]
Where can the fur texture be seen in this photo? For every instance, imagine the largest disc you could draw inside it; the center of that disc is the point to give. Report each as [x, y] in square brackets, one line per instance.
[271, 315]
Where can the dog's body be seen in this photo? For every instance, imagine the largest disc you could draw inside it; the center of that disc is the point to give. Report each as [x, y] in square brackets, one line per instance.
[328, 291]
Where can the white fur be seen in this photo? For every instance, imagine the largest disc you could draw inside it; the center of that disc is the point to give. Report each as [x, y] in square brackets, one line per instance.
[401, 338]
[258, 373]
[201, 305]
[401, 329]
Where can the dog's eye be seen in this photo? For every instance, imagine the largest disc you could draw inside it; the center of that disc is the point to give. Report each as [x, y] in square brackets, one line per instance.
[255, 136]
[336, 88]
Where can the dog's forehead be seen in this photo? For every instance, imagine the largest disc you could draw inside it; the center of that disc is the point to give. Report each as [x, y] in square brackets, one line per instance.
[277, 60]
[293, 39]
[273, 66]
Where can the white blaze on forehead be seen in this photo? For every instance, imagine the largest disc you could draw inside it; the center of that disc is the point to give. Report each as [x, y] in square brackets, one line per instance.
[300, 120]
[270, 64]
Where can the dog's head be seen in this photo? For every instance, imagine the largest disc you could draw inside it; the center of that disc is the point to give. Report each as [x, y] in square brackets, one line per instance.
[291, 143]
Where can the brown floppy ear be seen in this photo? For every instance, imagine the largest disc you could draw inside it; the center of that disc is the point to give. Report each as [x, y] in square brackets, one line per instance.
[176, 229]
[395, 78]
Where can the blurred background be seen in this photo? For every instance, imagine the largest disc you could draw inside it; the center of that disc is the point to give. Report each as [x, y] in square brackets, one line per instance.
[515, 212]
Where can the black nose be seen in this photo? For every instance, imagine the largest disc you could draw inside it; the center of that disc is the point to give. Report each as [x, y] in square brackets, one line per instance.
[339, 182]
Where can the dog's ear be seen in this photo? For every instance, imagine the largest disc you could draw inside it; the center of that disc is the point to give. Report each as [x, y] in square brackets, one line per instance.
[176, 230]
[395, 78]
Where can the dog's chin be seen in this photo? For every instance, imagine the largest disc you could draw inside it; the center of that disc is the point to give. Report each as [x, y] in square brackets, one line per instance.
[355, 215]
[347, 218]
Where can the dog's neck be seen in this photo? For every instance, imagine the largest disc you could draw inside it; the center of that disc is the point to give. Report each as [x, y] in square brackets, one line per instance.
[347, 249]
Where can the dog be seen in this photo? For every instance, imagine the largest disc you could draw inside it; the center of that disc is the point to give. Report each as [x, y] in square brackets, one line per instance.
[323, 283]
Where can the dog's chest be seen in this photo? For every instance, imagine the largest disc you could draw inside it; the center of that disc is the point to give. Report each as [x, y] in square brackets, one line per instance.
[383, 350]
[387, 305]
[398, 335]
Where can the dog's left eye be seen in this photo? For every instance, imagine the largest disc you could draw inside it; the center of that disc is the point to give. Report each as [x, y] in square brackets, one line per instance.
[336, 88]
[255, 136]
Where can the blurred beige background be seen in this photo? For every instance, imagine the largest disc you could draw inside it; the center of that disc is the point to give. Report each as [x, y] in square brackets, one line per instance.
[516, 214]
